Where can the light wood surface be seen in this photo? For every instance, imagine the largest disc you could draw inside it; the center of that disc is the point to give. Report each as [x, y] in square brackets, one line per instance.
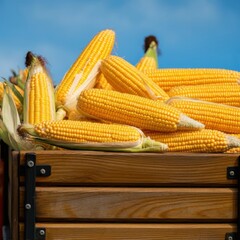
[122, 196]
[135, 231]
[129, 204]
[149, 169]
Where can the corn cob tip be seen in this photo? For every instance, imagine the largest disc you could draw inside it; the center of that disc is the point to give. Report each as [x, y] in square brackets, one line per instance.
[187, 123]
[150, 41]
[30, 57]
[232, 141]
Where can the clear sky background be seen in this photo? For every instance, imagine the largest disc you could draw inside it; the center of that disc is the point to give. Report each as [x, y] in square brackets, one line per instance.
[191, 33]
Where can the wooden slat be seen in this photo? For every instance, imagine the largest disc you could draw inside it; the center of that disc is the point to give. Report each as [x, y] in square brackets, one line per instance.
[142, 169]
[13, 194]
[135, 231]
[131, 204]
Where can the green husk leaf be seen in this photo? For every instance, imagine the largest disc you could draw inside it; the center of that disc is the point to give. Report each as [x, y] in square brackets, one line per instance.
[14, 73]
[9, 111]
[10, 123]
[61, 113]
[4, 133]
[152, 52]
[10, 118]
[20, 83]
[15, 91]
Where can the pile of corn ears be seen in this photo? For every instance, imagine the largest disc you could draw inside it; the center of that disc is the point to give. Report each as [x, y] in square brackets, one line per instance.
[10, 121]
[13, 118]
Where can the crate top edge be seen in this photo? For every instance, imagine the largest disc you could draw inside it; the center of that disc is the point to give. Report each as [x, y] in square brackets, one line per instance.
[102, 153]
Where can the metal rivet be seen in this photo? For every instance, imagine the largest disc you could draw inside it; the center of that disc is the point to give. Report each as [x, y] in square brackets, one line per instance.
[30, 163]
[42, 171]
[232, 173]
[42, 232]
[28, 206]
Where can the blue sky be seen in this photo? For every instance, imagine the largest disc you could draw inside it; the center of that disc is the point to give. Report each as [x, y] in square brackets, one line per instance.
[192, 33]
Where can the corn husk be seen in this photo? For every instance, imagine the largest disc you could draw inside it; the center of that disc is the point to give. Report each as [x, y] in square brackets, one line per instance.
[9, 123]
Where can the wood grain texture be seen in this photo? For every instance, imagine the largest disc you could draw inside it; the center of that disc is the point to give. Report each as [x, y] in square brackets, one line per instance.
[13, 194]
[134, 204]
[86, 168]
[135, 231]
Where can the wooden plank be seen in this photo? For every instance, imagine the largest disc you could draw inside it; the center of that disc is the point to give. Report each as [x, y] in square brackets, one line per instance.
[63, 231]
[13, 196]
[134, 204]
[89, 168]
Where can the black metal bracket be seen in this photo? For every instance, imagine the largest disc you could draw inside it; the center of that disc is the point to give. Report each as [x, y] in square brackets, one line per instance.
[231, 236]
[31, 171]
[41, 170]
[234, 173]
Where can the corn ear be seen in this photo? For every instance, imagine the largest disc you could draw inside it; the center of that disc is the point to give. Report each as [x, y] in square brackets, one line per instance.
[133, 110]
[215, 116]
[17, 94]
[39, 102]
[224, 93]
[92, 136]
[82, 73]
[233, 150]
[9, 123]
[173, 77]
[204, 141]
[126, 78]
[102, 83]
[146, 64]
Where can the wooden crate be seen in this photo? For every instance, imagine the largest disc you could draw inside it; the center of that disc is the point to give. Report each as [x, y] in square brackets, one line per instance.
[120, 196]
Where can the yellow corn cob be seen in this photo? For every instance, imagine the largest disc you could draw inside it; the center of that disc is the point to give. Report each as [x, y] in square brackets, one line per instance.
[133, 110]
[10, 121]
[15, 98]
[205, 140]
[225, 93]
[82, 73]
[233, 150]
[126, 78]
[92, 135]
[102, 83]
[214, 115]
[83, 132]
[39, 104]
[146, 64]
[173, 77]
